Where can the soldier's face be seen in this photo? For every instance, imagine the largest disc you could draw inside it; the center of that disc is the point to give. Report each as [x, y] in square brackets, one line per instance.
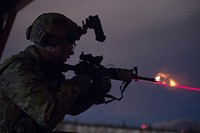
[63, 52]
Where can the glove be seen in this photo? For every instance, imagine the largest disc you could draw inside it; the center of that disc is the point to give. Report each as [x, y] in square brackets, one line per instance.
[105, 84]
[100, 87]
[83, 82]
[125, 75]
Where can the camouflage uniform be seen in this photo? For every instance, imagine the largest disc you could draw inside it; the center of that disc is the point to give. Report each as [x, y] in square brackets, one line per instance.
[34, 96]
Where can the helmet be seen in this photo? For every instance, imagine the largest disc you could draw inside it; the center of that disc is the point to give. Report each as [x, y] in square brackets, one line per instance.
[52, 24]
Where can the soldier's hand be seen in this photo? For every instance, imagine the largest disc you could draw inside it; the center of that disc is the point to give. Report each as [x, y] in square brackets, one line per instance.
[105, 84]
[83, 82]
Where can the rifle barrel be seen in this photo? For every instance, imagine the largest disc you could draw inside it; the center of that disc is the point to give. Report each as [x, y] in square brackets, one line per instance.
[144, 78]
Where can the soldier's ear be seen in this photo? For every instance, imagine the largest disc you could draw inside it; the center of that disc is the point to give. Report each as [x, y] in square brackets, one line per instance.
[51, 49]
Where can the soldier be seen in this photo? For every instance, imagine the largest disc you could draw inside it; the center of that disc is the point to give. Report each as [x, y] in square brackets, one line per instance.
[34, 94]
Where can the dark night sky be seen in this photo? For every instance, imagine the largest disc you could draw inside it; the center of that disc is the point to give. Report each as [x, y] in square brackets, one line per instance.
[155, 35]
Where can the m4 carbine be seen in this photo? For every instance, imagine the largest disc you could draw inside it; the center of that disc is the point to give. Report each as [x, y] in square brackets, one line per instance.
[91, 66]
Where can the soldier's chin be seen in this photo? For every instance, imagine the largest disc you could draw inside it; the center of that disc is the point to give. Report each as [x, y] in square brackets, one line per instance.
[64, 60]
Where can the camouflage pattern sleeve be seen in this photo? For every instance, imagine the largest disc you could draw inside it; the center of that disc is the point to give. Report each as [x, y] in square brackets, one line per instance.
[25, 85]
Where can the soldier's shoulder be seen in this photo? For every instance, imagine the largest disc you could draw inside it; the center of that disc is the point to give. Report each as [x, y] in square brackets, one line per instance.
[23, 59]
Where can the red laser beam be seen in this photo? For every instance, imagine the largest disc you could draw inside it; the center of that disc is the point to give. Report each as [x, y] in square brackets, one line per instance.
[163, 79]
[180, 86]
[188, 88]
